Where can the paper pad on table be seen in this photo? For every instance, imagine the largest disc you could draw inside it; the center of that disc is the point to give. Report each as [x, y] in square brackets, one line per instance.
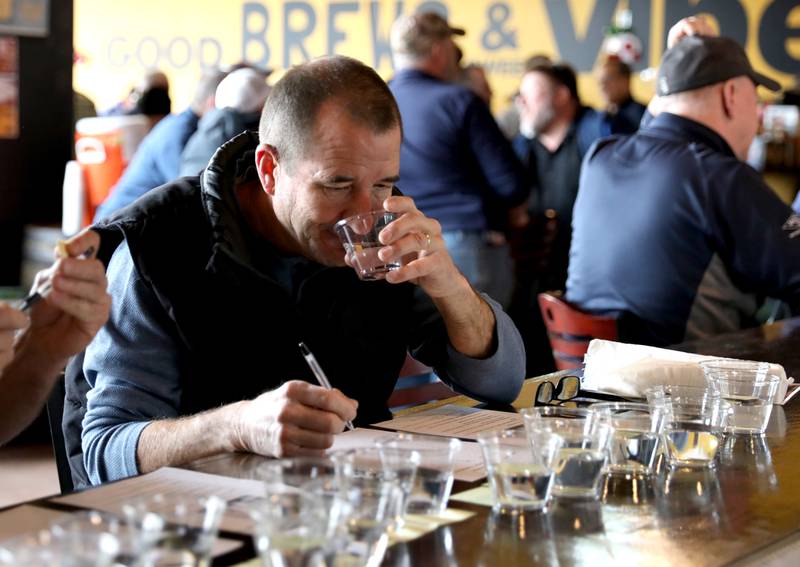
[628, 370]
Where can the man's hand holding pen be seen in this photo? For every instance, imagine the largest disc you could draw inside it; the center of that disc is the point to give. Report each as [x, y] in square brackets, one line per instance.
[75, 303]
[296, 419]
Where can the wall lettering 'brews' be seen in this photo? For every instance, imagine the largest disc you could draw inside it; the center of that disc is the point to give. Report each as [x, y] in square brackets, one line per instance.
[501, 34]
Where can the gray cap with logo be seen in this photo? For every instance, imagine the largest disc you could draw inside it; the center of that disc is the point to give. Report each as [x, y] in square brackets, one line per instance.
[698, 61]
[414, 34]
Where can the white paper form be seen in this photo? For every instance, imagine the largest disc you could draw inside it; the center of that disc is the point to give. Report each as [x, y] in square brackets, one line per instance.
[468, 465]
[235, 491]
[27, 519]
[454, 421]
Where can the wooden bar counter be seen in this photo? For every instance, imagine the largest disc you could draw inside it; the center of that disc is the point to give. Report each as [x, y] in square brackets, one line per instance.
[745, 512]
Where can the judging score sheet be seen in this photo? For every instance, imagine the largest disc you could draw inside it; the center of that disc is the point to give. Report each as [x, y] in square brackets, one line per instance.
[453, 421]
[467, 465]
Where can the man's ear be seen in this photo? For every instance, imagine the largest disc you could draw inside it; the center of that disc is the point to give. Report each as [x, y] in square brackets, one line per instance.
[267, 164]
[729, 94]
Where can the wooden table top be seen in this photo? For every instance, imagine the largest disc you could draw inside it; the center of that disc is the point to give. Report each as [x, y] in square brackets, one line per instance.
[699, 518]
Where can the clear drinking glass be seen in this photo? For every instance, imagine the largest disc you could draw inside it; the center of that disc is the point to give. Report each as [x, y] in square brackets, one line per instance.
[290, 528]
[297, 471]
[375, 503]
[135, 539]
[584, 453]
[394, 464]
[748, 387]
[637, 431]
[520, 468]
[190, 527]
[359, 235]
[77, 549]
[694, 420]
[434, 477]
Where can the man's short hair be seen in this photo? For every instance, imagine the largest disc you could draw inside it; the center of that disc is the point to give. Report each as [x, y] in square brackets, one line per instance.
[622, 68]
[560, 73]
[535, 60]
[413, 35]
[207, 85]
[290, 114]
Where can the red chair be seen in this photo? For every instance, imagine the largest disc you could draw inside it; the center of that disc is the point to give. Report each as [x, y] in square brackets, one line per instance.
[570, 329]
[404, 395]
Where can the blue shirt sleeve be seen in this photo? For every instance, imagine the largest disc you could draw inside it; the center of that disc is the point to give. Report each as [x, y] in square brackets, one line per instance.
[748, 222]
[497, 378]
[132, 367]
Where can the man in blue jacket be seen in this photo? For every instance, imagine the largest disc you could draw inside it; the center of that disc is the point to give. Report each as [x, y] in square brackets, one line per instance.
[158, 158]
[454, 160]
[673, 231]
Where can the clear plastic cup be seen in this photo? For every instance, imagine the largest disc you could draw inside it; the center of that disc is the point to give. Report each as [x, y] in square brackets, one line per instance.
[135, 539]
[191, 526]
[520, 468]
[637, 432]
[750, 390]
[694, 420]
[359, 236]
[291, 527]
[434, 477]
[375, 504]
[297, 471]
[76, 549]
[583, 456]
[396, 465]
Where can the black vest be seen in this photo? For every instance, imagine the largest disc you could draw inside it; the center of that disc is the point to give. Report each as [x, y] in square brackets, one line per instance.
[238, 329]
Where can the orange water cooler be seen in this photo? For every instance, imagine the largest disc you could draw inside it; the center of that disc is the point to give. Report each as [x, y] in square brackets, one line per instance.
[103, 148]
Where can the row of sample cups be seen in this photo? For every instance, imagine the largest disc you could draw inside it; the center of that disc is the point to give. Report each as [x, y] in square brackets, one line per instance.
[565, 452]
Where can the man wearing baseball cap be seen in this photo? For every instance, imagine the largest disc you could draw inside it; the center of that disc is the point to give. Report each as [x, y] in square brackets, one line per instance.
[454, 160]
[673, 232]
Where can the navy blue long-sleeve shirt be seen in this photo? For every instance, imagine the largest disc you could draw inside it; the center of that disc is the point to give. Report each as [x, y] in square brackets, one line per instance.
[676, 235]
[454, 160]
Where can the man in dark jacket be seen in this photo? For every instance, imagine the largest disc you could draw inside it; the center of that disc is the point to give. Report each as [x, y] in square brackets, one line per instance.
[216, 279]
[556, 131]
[454, 160]
[673, 231]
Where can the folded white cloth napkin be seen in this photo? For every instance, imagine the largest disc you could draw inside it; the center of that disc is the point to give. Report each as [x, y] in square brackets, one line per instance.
[628, 370]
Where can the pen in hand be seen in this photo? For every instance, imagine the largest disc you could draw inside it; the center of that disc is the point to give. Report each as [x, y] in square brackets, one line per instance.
[316, 369]
[40, 292]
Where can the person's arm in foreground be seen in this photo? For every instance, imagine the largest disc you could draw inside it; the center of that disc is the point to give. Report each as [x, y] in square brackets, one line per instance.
[487, 356]
[62, 324]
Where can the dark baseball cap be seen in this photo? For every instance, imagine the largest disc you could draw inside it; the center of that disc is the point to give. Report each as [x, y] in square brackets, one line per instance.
[698, 61]
[415, 33]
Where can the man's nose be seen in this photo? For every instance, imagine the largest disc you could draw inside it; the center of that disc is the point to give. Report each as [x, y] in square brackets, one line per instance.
[363, 202]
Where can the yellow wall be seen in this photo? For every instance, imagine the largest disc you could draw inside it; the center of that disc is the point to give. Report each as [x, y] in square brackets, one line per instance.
[118, 39]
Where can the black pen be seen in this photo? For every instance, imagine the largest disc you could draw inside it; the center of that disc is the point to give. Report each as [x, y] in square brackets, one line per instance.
[316, 369]
[39, 293]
